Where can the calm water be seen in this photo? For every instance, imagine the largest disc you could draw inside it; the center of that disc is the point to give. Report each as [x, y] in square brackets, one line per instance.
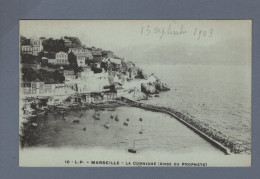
[217, 95]
[161, 132]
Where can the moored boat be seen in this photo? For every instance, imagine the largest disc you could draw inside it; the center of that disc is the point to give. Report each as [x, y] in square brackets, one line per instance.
[75, 121]
[116, 118]
[96, 116]
[107, 125]
[132, 150]
[111, 109]
[141, 131]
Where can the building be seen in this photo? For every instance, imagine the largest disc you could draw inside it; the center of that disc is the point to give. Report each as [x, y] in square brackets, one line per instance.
[61, 58]
[69, 75]
[97, 56]
[80, 60]
[26, 49]
[115, 61]
[39, 88]
[108, 54]
[67, 42]
[34, 48]
[81, 52]
[34, 87]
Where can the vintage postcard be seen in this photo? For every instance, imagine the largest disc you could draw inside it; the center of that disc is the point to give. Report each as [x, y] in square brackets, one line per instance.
[131, 93]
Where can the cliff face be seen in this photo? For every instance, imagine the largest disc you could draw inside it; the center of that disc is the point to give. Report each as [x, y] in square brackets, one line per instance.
[149, 88]
[135, 94]
[161, 86]
[154, 86]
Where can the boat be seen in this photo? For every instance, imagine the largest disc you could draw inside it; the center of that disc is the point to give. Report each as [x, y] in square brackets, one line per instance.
[107, 125]
[111, 109]
[75, 121]
[132, 150]
[141, 131]
[116, 118]
[97, 115]
[78, 115]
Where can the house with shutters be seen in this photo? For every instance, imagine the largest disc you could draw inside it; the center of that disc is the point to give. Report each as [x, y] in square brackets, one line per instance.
[34, 48]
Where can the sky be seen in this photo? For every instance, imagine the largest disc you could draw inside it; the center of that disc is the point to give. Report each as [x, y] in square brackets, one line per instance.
[214, 42]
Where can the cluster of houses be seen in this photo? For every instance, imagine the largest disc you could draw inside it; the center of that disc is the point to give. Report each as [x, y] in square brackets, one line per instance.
[89, 85]
[82, 55]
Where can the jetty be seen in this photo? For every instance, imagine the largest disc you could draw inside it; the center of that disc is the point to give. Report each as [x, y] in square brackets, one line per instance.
[200, 132]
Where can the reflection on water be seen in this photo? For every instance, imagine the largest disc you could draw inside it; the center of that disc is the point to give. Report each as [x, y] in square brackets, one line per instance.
[161, 132]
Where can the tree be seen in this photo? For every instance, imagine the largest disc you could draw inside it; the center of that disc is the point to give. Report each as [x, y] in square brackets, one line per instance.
[24, 41]
[140, 74]
[73, 62]
[28, 58]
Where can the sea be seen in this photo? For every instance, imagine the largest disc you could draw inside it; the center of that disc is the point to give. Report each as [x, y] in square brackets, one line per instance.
[218, 95]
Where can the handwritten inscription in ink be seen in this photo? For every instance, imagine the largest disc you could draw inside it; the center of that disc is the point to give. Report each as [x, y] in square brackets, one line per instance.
[176, 30]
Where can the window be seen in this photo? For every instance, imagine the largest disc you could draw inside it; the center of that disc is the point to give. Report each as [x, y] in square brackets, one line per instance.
[41, 85]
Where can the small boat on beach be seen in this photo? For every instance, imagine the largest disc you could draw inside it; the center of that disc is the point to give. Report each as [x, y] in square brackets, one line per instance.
[132, 150]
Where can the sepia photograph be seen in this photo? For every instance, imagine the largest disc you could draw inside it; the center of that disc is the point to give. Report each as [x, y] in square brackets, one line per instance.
[135, 93]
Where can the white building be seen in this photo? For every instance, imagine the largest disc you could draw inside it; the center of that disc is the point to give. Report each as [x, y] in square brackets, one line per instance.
[34, 48]
[38, 88]
[80, 60]
[26, 49]
[61, 58]
[81, 52]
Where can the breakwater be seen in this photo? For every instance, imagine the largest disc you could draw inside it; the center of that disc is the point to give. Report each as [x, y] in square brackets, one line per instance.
[205, 133]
